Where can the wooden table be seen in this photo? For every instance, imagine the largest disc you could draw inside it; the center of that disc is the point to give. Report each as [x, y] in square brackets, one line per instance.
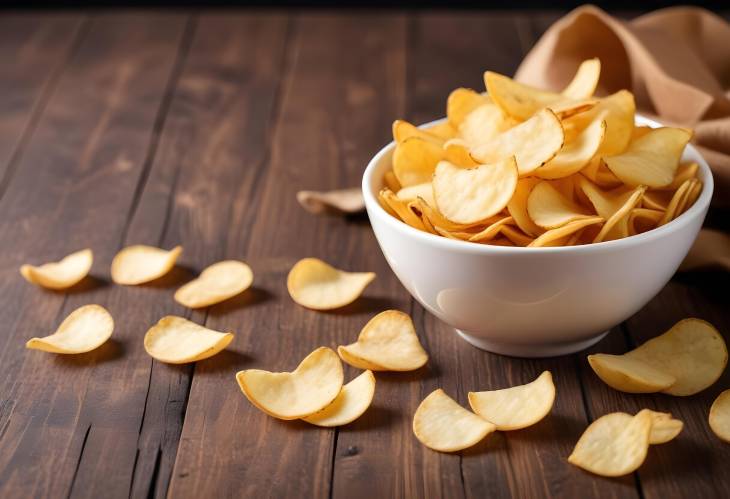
[198, 129]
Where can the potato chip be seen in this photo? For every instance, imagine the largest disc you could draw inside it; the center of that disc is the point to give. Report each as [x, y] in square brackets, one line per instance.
[84, 330]
[643, 219]
[217, 283]
[612, 446]
[566, 230]
[517, 407]
[517, 207]
[619, 111]
[597, 172]
[351, 403]
[402, 131]
[388, 342]
[491, 231]
[651, 160]
[617, 225]
[438, 220]
[443, 130]
[460, 103]
[310, 388]
[629, 375]
[585, 80]
[685, 171]
[140, 264]
[176, 340]
[415, 159]
[532, 143]
[443, 425]
[549, 209]
[414, 192]
[483, 123]
[516, 236]
[472, 195]
[664, 427]
[391, 182]
[457, 153]
[315, 284]
[692, 351]
[400, 208]
[576, 154]
[62, 274]
[339, 201]
[720, 416]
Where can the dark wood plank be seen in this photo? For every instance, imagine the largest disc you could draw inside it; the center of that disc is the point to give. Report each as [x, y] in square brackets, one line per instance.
[70, 424]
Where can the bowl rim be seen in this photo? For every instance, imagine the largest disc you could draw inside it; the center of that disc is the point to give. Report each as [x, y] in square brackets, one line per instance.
[698, 209]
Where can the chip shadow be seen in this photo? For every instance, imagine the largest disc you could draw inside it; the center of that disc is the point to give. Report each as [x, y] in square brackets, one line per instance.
[177, 276]
[363, 305]
[111, 350]
[85, 285]
[249, 298]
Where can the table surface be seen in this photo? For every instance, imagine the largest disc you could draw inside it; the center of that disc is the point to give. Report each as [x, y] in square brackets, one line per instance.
[198, 128]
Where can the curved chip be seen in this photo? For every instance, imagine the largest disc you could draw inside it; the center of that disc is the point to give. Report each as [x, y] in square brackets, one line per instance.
[651, 160]
[483, 123]
[63, 274]
[685, 171]
[315, 284]
[549, 209]
[619, 111]
[568, 229]
[311, 387]
[352, 402]
[388, 342]
[217, 283]
[532, 143]
[516, 236]
[140, 264]
[664, 428]
[692, 351]
[415, 159]
[443, 425]
[617, 225]
[585, 81]
[612, 446]
[413, 192]
[85, 329]
[402, 131]
[460, 103]
[629, 375]
[720, 416]
[517, 207]
[643, 219]
[674, 204]
[176, 340]
[491, 231]
[471, 195]
[517, 407]
[334, 201]
[576, 154]
[400, 208]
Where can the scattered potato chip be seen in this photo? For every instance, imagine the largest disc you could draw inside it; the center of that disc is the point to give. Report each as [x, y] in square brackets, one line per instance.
[517, 407]
[176, 340]
[532, 143]
[84, 330]
[664, 427]
[336, 201]
[352, 401]
[388, 342]
[402, 131]
[140, 264]
[415, 159]
[62, 274]
[553, 235]
[720, 416]
[549, 209]
[311, 387]
[472, 195]
[612, 446]
[651, 160]
[443, 425]
[585, 81]
[629, 375]
[217, 283]
[315, 284]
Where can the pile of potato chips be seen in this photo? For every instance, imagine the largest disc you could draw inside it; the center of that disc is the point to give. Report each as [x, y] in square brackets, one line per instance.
[519, 166]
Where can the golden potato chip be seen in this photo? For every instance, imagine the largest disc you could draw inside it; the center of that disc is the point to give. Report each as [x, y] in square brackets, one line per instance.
[62, 274]
[692, 351]
[335, 201]
[516, 236]
[651, 160]
[532, 143]
[617, 225]
[585, 80]
[566, 230]
[402, 131]
[685, 171]
[720, 416]
[629, 375]
[461, 103]
[443, 425]
[311, 387]
[643, 219]
[217, 283]
[176, 340]
[664, 427]
[599, 173]
[388, 342]
[612, 446]
[351, 403]
[549, 209]
[414, 192]
[140, 264]
[517, 207]
[415, 160]
[391, 182]
[85, 329]
[483, 123]
[457, 153]
[619, 110]
[576, 154]
[517, 407]
[640, 131]
[315, 284]
[438, 220]
[472, 195]
[443, 130]
[491, 231]
[400, 208]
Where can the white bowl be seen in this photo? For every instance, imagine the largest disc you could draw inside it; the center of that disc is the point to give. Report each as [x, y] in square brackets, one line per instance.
[533, 302]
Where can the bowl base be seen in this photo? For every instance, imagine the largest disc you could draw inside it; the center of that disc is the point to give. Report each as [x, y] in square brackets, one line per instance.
[532, 350]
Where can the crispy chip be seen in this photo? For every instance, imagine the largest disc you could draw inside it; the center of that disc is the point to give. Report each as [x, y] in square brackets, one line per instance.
[461, 103]
[311, 387]
[415, 159]
[457, 153]
[643, 219]
[619, 110]
[402, 131]
[443, 130]
[585, 80]
[629, 375]
[516, 236]
[491, 231]
[664, 428]
[651, 160]
[467, 196]
[617, 225]
[612, 446]
[85, 329]
[400, 208]
[549, 209]
[62, 274]
[483, 123]
[720, 416]
[391, 182]
[388, 342]
[352, 401]
[685, 171]
[532, 143]
[414, 192]
[517, 207]
[335, 201]
[566, 230]
[443, 425]
[315, 284]
[176, 340]
[217, 283]
[576, 154]
[670, 213]
[140, 264]
[517, 407]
